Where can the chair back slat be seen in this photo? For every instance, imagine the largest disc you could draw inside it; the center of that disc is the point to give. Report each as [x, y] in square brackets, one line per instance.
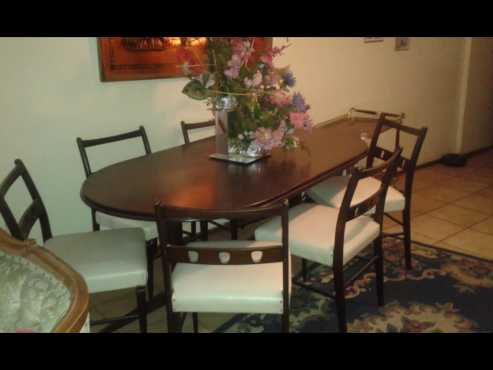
[83, 144]
[224, 256]
[406, 164]
[35, 211]
[386, 171]
[186, 127]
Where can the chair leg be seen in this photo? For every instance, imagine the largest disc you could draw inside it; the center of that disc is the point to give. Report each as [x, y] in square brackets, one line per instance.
[142, 307]
[377, 244]
[151, 254]
[304, 271]
[406, 218]
[285, 321]
[233, 224]
[193, 226]
[340, 299]
[195, 320]
[204, 230]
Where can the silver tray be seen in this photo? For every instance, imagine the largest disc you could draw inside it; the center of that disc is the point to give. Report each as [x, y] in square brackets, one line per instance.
[236, 158]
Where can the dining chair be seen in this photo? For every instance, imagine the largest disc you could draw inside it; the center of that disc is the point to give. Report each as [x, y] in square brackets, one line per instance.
[224, 276]
[107, 260]
[106, 221]
[331, 191]
[204, 225]
[333, 237]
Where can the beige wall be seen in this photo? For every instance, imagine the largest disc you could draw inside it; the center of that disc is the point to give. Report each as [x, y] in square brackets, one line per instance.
[51, 94]
[476, 116]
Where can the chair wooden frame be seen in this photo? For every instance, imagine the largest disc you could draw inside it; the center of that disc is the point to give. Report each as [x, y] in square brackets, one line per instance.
[172, 254]
[83, 144]
[36, 211]
[347, 212]
[406, 166]
[77, 313]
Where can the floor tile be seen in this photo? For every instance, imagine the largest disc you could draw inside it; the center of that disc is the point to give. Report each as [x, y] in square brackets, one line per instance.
[416, 236]
[458, 215]
[487, 192]
[465, 185]
[476, 202]
[434, 228]
[471, 242]
[442, 193]
[422, 204]
[484, 226]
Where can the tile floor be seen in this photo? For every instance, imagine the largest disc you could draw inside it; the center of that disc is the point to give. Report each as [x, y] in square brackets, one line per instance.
[452, 208]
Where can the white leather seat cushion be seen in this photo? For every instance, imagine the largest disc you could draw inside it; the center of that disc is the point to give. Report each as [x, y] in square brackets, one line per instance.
[108, 260]
[108, 222]
[312, 233]
[228, 288]
[331, 192]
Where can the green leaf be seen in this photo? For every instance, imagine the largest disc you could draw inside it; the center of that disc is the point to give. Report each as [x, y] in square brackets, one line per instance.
[195, 90]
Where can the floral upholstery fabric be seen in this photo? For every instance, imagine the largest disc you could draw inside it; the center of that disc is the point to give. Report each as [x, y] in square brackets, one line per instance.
[31, 299]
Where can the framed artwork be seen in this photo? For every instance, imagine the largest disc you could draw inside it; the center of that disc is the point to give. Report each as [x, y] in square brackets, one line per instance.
[401, 43]
[143, 58]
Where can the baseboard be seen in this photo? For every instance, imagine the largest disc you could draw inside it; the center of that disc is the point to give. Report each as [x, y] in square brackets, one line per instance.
[468, 155]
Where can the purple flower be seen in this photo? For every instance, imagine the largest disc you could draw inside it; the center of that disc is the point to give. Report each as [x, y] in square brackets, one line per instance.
[289, 79]
[299, 103]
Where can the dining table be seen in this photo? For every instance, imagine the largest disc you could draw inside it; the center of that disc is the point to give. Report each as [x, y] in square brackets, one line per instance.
[185, 176]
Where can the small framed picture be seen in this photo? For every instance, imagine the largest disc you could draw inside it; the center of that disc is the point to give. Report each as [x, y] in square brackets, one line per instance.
[401, 43]
[373, 39]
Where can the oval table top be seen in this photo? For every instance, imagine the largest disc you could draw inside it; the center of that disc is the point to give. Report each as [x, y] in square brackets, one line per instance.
[185, 176]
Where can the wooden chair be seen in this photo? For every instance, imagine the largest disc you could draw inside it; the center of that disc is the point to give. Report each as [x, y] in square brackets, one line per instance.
[40, 264]
[108, 260]
[331, 191]
[225, 276]
[333, 237]
[112, 222]
[186, 127]
[204, 229]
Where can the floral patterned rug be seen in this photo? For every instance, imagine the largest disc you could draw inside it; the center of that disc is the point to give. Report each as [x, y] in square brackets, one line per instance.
[444, 292]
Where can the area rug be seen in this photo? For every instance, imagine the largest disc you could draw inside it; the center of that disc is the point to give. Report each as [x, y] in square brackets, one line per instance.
[445, 292]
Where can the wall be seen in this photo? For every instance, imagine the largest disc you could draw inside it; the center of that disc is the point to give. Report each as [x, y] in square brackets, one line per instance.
[476, 115]
[51, 94]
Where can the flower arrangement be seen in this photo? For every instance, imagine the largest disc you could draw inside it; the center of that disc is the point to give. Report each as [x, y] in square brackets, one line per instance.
[266, 113]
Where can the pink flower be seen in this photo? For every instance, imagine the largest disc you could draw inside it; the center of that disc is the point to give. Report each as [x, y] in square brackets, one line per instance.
[234, 67]
[301, 120]
[280, 97]
[297, 119]
[257, 80]
[268, 139]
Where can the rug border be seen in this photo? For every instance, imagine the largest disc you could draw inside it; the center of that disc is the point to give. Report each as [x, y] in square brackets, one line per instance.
[240, 316]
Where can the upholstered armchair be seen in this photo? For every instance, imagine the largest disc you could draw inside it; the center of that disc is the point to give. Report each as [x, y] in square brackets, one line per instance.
[38, 291]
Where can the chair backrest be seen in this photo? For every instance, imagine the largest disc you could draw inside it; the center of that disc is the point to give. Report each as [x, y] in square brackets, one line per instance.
[185, 127]
[43, 265]
[172, 254]
[34, 212]
[86, 143]
[406, 164]
[349, 210]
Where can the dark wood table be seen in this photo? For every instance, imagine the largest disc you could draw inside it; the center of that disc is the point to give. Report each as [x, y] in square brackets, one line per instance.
[185, 176]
